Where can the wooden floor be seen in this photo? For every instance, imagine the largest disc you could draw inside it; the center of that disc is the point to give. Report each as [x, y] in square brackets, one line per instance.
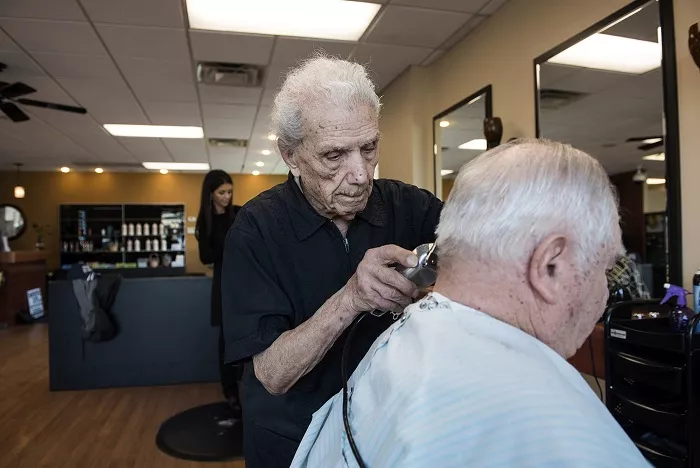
[113, 428]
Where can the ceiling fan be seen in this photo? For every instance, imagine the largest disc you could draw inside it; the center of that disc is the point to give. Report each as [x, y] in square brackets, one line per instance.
[649, 142]
[11, 95]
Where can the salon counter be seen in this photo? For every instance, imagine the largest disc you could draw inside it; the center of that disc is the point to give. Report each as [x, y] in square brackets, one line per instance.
[164, 336]
[22, 271]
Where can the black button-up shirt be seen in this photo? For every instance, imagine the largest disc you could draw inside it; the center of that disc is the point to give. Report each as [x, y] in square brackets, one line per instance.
[282, 262]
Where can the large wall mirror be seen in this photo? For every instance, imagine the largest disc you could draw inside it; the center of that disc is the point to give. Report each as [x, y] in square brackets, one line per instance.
[458, 137]
[12, 222]
[603, 92]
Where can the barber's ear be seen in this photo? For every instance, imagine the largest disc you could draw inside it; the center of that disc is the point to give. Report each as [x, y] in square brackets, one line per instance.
[548, 265]
[289, 158]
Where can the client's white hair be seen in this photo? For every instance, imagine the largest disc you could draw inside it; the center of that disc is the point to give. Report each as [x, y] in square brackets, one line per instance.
[316, 80]
[506, 201]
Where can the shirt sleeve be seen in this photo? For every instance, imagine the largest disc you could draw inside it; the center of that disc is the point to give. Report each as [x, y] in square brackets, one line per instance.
[255, 309]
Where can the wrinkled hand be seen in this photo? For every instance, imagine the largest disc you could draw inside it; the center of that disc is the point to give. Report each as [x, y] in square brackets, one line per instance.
[375, 285]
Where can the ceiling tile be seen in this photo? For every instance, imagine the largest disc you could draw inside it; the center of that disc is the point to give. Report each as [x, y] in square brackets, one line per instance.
[164, 91]
[290, 51]
[173, 113]
[229, 111]
[19, 65]
[108, 101]
[144, 42]
[492, 7]
[146, 149]
[463, 32]
[6, 44]
[230, 94]
[385, 62]
[268, 97]
[53, 36]
[254, 157]
[187, 150]
[415, 26]
[231, 48]
[465, 6]
[47, 89]
[433, 57]
[585, 80]
[42, 9]
[228, 128]
[227, 159]
[77, 66]
[167, 13]
[156, 71]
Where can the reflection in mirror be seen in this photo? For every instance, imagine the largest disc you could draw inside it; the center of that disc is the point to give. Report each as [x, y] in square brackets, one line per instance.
[459, 138]
[12, 222]
[604, 95]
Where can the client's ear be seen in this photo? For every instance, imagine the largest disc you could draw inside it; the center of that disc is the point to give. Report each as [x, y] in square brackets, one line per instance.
[547, 265]
[289, 158]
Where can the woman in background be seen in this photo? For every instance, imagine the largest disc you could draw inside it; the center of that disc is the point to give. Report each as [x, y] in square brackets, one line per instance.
[216, 215]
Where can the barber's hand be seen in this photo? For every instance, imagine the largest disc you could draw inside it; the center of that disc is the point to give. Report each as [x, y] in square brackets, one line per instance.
[375, 285]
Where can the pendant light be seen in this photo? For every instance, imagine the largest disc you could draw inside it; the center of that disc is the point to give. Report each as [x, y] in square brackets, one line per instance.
[19, 190]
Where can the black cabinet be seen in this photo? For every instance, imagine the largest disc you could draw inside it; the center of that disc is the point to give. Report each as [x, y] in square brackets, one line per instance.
[653, 381]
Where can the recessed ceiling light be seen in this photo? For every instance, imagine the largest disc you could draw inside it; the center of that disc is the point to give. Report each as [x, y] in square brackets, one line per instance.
[477, 144]
[260, 164]
[99, 170]
[445, 172]
[653, 181]
[652, 140]
[65, 169]
[154, 131]
[176, 166]
[655, 157]
[612, 53]
[256, 172]
[265, 152]
[444, 123]
[323, 19]
[163, 171]
[272, 137]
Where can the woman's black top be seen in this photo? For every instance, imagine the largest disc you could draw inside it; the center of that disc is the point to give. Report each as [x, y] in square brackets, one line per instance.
[211, 252]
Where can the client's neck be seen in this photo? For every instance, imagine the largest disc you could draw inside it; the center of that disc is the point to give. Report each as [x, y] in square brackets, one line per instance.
[498, 291]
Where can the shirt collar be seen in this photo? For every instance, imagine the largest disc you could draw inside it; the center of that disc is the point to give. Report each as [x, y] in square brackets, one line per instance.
[306, 220]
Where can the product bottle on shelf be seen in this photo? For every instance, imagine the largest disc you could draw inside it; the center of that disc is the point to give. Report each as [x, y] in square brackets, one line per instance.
[148, 244]
[146, 229]
[162, 229]
[131, 229]
[137, 245]
[139, 231]
[163, 245]
[154, 229]
[129, 245]
[696, 291]
[680, 314]
[125, 230]
[156, 245]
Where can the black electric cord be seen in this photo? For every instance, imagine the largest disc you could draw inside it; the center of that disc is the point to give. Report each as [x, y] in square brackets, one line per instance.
[344, 376]
[595, 373]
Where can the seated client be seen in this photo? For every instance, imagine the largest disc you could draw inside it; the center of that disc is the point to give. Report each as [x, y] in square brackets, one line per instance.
[474, 375]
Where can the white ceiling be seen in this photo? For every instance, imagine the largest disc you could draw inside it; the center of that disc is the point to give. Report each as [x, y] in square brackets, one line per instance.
[133, 61]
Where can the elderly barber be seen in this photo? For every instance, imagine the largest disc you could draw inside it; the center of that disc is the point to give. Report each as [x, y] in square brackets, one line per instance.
[306, 257]
[475, 374]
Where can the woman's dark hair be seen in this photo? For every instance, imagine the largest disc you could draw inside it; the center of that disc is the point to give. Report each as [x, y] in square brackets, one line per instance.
[212, 181]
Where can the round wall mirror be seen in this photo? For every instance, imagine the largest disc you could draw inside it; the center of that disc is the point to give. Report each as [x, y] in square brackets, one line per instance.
[12, 222]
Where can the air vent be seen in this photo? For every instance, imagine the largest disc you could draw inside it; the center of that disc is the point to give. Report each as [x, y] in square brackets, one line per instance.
[558, 98]
[228, 142]
[230, 74]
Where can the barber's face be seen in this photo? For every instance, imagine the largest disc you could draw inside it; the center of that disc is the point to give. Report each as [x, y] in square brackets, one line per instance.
[336, 159]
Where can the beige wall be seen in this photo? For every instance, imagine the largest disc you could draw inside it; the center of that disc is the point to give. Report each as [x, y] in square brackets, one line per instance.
[654, 198]
[501, 53]
[47, 190]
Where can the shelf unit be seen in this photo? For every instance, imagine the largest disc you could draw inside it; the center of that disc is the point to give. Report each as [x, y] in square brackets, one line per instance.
[93, 234]
[653, 382]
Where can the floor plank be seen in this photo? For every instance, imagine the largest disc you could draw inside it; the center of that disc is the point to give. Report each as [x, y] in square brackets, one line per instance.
[111, 428]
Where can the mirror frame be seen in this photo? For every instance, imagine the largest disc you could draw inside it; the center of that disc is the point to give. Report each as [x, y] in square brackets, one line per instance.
[24, 226]
[487, 91]
[672, 136]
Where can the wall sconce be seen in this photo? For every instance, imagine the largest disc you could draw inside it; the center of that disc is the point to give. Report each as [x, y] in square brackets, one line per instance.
[19, 190]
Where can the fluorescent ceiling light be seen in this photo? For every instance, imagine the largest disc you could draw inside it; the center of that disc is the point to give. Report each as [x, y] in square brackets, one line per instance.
[445, 172]
[612, 53]
[655, 157]
[652, 140]
[154, 131]
[256, 172]
[477, 144]
[265, 152]
[444, 123]
[652, 181]
[323, 19]
[260, 164]
[176, 166]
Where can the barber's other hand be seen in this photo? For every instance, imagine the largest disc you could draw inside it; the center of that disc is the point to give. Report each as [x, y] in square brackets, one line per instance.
[375, 285]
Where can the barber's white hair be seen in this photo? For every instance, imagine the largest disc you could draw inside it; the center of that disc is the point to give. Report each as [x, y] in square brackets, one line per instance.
[506, 201]
[319, 79]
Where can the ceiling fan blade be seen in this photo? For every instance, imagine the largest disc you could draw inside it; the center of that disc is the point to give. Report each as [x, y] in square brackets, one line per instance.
[51, 105]
[13, 112]
[649, 146]
[14, 90]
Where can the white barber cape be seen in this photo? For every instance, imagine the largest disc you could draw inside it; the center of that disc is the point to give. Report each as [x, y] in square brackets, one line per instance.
[448, 386]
